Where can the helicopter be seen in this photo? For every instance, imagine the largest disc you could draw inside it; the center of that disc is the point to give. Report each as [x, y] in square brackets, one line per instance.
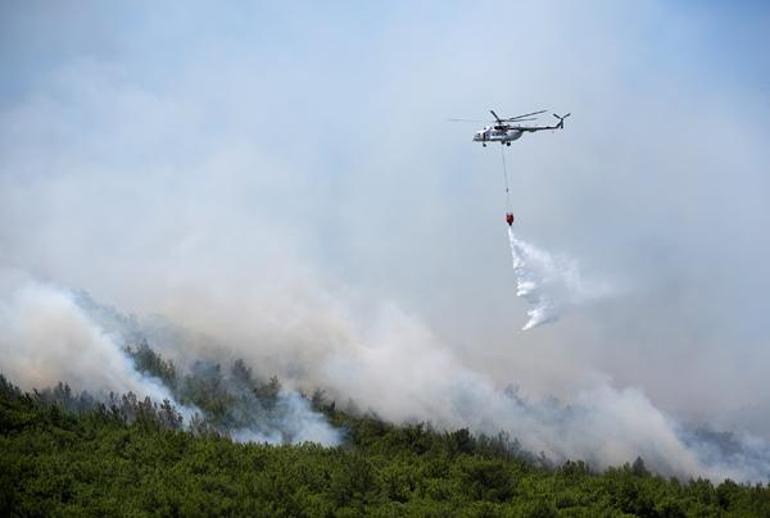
[509, 129]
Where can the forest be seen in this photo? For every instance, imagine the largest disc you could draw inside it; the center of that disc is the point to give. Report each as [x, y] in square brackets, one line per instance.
[67, 453]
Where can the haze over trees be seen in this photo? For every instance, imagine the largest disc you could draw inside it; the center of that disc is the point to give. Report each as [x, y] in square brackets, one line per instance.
[73, 453]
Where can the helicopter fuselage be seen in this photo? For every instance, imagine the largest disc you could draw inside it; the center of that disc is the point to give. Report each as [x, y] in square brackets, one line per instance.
[492, 134]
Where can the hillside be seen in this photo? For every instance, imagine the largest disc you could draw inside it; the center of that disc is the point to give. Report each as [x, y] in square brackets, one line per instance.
[135, 460]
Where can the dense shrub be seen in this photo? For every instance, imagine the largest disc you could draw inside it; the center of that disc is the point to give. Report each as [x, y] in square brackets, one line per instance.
[128, 458]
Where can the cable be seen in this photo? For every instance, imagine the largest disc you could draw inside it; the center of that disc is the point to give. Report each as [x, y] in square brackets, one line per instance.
[505, 178]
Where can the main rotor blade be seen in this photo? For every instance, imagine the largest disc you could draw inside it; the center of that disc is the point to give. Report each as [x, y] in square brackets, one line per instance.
[498, 119]
[525, 115]
[453, 119]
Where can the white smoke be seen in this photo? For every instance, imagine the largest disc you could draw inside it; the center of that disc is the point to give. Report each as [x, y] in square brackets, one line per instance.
[401, 371]
[549, 284]
[45, 338]
[390, 363]
[50, 335]
[293, 422]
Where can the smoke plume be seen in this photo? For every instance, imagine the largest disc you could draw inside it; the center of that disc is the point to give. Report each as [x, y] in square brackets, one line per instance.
[45, 337]
[389, 363]
[50, 335]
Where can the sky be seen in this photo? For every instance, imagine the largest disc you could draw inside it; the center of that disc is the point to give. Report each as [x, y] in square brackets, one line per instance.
[261, 172]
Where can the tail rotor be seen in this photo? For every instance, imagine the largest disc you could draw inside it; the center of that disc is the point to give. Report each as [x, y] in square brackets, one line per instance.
[561, 118]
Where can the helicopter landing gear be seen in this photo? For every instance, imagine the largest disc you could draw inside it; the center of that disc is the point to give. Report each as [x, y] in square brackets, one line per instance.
[508, 144]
